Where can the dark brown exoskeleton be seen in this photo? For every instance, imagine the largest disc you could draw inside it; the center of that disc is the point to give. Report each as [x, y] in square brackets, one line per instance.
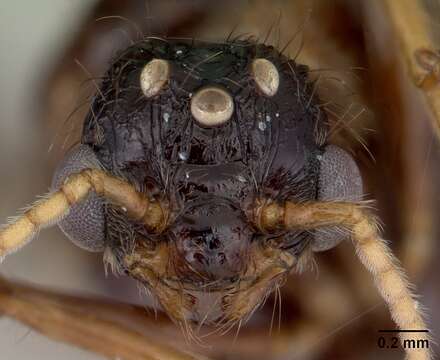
[204, 172]
[221, 127]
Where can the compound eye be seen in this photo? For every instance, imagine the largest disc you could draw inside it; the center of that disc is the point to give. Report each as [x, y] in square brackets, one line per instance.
[339, 180]
[84, 225]
[154, 77]
[212, 106]
[266, 76]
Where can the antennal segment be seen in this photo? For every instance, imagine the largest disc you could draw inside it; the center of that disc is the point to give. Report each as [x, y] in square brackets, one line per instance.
[371, 250]
[56, 205]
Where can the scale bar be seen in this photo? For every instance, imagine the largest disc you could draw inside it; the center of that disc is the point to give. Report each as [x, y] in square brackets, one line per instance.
[403, 331]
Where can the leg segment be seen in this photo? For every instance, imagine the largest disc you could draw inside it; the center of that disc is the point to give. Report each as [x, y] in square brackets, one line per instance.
[371, 250]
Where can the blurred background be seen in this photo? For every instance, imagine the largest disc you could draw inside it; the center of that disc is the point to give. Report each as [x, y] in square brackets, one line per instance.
[33, 36]
[52, 55]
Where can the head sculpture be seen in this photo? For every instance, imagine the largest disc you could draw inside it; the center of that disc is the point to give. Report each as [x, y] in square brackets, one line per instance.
[214, 131]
